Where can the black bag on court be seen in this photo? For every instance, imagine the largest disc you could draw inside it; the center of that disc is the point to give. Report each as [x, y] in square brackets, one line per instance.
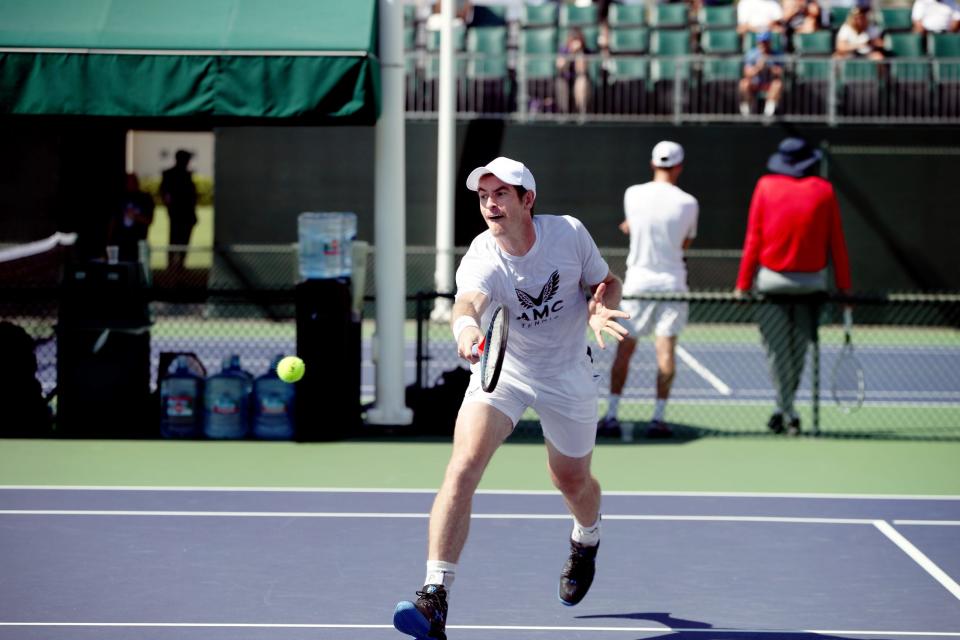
[435, 408]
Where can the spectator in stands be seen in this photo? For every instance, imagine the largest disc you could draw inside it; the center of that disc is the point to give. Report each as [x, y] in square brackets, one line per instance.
[130, 223]
[572, 73]
[857, 38]
[463, 13]
[793, 229]
[935, 16]
[179, 194]
[661, 220]
[800, 16]
[762, 73]
[759, 16]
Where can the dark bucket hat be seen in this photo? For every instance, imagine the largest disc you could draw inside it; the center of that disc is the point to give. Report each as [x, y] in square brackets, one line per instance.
[794, 157]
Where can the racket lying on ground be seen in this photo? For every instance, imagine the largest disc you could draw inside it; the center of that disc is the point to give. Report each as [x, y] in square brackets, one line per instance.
[492, 348]
[847, 383]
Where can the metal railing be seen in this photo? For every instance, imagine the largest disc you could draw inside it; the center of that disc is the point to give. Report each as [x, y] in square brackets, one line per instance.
[690, 88]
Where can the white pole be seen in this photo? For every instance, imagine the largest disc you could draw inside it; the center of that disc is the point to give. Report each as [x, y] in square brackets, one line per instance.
[446, 153]
[390, 216]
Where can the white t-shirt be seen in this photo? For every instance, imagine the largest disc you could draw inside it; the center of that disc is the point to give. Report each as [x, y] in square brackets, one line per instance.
[661, 217]
[935, 16]
[542, 291]
[861, 40]
[758, 14]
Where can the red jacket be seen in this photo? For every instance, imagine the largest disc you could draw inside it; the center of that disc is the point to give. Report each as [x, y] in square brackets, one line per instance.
[793, 223]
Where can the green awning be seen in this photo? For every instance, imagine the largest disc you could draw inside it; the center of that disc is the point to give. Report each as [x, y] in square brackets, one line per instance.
[306, 59]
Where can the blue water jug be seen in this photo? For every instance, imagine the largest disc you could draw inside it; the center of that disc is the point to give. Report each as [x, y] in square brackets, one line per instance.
[226, 401]
[273, 406]
[181, 402]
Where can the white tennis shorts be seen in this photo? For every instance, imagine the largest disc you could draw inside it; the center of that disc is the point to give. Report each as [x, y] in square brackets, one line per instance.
[664, 318]
[566, 403]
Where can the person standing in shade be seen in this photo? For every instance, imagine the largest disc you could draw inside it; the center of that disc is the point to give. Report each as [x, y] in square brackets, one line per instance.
[537, 267]
[179, 194]
[661, 220]
[131, 222]
[793, 230]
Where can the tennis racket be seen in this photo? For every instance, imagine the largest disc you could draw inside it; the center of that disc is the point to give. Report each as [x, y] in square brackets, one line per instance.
[847, 384]
[492, 348]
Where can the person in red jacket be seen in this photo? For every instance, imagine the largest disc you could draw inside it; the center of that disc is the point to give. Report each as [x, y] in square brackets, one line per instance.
[793, 230]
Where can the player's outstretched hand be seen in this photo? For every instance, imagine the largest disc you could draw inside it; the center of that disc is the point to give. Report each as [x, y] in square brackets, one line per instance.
[603, 319]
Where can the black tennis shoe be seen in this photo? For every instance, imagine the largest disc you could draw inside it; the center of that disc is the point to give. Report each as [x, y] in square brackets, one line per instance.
[609, 427]
[577, 574]
[425, 619]
[775, 423]
[793, 426]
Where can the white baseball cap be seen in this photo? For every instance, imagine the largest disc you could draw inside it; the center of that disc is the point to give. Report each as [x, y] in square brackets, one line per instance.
[510, 171]
[667, 154]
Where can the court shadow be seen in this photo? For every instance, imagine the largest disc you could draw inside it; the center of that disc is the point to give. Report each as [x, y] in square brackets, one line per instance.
[684, 629]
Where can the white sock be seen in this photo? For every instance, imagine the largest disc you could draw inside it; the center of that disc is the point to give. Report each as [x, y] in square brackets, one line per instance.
[769, 108]
[612, 405]
[440, 572]
[589, 536]
[744, 109]
[659, 408]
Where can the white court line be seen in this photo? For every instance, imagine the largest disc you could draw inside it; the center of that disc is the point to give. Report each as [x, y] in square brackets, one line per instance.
[703, 372]
[502, 492]
[919, 557]
[399, 515]
[473, 627]
[935, 523]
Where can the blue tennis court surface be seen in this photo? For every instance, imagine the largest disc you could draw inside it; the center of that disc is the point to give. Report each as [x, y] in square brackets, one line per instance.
[85, 563]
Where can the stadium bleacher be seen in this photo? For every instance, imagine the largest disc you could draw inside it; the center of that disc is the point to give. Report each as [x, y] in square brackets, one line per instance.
[506, 63]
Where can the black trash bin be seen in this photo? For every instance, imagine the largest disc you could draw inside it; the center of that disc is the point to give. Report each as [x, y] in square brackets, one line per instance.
[328, 341]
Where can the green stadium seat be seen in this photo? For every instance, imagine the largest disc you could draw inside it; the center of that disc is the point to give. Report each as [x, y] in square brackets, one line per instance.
[409, 37]
[717, 17]
[945, 49]
[489, 48]
[818, 43]
[629, 40]
[904, 45]
[627, 90]
[572, 15]
[859, 84]
[539, 15]
[944, 45]
[750, 41]
[409, 14]
[722, 69]
[718, 90]
[837, 16]
[626, 15]
[664, 42]
[669, 16]
[541, 40]
[810, 85]
[719, 41]
[894, 19]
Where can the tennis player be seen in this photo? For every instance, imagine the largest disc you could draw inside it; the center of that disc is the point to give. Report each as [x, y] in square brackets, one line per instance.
[537, 267]
[661, 220]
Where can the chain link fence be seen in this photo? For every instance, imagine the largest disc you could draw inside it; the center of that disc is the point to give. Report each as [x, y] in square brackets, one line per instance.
[244, 304]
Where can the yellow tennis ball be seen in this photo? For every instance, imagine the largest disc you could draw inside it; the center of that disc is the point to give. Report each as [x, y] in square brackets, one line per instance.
[290, 369]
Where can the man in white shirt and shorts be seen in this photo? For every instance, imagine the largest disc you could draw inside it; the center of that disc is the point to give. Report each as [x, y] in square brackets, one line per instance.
[661, 220]
[537, 267]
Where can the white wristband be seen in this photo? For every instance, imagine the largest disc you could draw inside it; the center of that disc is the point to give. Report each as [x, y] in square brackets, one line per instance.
[462, 323]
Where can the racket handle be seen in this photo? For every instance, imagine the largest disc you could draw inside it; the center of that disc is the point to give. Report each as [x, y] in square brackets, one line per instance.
[477, 349]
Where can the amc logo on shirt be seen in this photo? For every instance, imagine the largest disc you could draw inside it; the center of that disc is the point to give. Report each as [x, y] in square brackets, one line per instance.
[538, 309]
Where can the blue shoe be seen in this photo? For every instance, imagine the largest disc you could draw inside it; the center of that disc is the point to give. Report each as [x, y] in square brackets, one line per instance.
[426, 618]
